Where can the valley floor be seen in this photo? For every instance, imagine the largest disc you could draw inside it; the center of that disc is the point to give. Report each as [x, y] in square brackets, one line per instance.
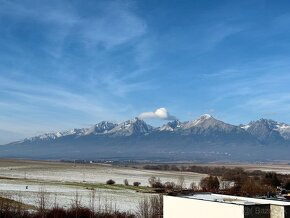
[61, 183]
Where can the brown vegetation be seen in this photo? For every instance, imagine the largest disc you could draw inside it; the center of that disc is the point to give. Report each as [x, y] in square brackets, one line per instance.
[210, 184]
[150, 207]
[235, 181]
[136, 183]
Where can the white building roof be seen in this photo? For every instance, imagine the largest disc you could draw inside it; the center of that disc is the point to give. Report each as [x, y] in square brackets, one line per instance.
[221, 199]
[235, 199]
[258, 200]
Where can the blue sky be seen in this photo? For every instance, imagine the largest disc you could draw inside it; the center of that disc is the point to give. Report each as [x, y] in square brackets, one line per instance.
[71, 63]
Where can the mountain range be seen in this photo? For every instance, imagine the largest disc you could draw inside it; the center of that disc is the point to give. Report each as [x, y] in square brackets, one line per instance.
[203, 139]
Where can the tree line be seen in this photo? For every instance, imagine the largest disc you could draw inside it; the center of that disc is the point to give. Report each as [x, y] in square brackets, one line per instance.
[234, 181]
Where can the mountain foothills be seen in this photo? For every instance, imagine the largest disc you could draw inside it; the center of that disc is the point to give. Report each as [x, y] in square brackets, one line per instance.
[204, 139]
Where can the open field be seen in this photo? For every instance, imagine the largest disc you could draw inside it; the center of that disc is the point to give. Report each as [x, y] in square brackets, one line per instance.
[24, 181]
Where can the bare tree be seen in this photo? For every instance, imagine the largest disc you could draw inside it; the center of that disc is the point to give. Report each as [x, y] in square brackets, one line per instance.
[126, 182]
[55, 205]
[150, 207]
[169, 186]
[42, 201]
[143, 208]
[155, 182]
[210, 183]
[156, 206]
[108, 206]
[92, 199]
[180, 183]
[152, 180]
[76, 202]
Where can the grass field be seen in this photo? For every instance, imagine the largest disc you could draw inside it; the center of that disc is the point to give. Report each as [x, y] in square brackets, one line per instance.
[24, 181]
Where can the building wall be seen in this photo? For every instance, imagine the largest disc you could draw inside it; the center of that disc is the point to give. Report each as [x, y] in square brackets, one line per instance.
[277, 211]
[287, 211]
[178, 207]
[257, 211]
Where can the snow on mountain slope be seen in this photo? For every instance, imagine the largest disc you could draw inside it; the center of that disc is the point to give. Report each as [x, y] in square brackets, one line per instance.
[208, 123]
[206, 118]
[131, 127]
[266, 129]
[100, 128]
[284, 130]
[171, 126]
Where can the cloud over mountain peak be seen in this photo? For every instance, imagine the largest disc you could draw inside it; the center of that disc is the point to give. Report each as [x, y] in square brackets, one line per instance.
[160, 113]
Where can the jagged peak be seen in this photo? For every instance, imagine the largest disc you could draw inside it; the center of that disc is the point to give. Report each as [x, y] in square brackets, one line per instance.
[171, 125]
[133, 121]
[206, 116]
[130, 127]
[199, 120]
[174, 121]
[264, 120]
[268, 123]
[137, 126]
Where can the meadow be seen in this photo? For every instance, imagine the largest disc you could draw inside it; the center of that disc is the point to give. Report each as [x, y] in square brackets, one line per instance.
[62, 184]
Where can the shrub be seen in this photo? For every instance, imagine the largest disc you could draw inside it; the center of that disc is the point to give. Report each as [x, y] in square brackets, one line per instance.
[210, 183]
[272, 179]
[252, 187]
[136, 183]
[126, 182]
[110, 182]
[194, 187]
[155, 182]
[169, 186]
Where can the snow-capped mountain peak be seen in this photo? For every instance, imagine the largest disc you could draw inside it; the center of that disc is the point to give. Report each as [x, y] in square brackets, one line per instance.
[267, 129]
[102, 127]
[264, 130]
[131, 127]
[206, 118]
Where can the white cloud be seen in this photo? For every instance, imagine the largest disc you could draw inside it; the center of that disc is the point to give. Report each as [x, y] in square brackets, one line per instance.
[160, 113]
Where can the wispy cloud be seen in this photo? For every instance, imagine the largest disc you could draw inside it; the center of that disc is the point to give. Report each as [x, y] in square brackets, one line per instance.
[275, 102]
[64, 63]
[71, 81]
[123, 26]
[113, 25]
[33, 108]
[217, 33]
[260, 86]
[43, 98]
[117, 84]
